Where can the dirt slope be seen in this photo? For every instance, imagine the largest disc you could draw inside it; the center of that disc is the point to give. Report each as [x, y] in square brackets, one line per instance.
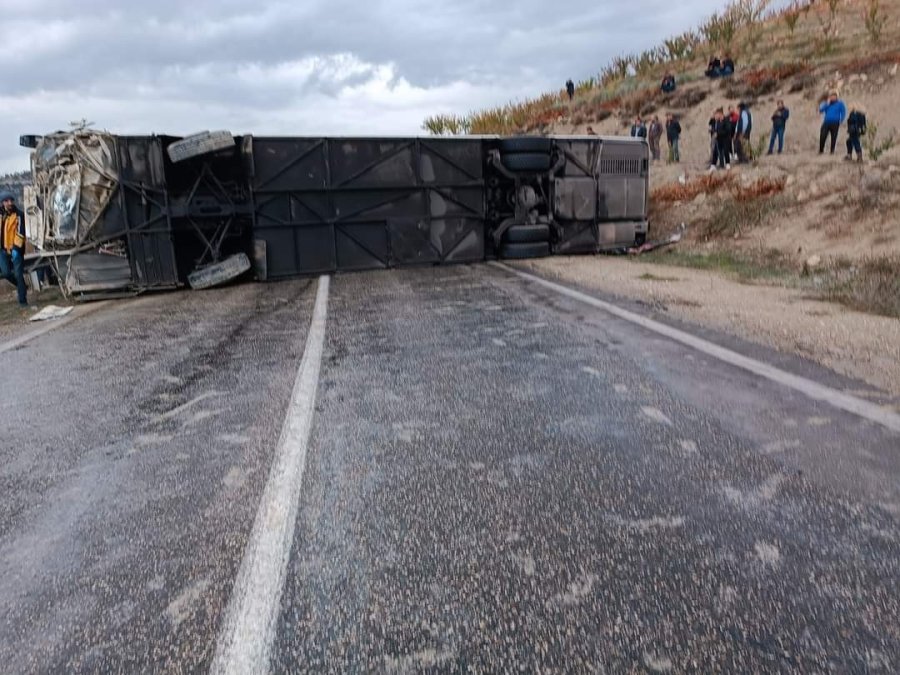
[828, 208]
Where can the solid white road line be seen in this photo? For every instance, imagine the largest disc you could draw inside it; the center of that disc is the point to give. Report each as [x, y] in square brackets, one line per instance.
[248, 630]
[814, 390]
[52, 325]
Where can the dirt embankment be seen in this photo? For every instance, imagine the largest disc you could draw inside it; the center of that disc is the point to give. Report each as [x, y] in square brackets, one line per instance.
[824, 207]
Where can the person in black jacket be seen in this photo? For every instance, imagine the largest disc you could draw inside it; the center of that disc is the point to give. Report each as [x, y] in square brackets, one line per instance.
[727, 66]
[779, 122]
[668, 84]
[714, 67]
[722, 132]
[570, 89]
[856, 127]
[638, 130]
[673, 133]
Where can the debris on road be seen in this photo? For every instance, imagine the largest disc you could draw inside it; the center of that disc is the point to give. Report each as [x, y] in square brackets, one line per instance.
[646, 247]
[51, 312]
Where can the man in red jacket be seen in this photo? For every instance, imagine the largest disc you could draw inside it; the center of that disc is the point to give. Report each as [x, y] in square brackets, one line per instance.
[12, 245]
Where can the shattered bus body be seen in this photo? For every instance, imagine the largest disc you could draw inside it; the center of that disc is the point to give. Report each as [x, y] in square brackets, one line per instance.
[135, 213]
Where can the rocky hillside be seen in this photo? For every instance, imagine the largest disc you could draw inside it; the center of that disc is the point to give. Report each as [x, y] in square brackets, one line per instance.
[799, 205]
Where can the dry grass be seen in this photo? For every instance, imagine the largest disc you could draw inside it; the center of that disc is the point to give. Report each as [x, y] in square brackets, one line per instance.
[762, 187]
[682, 192]
[868, 285]
[735, 218]
[761, 81]
[762, 266]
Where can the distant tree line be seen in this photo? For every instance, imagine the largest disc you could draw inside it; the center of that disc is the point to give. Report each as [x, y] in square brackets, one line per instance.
[15, 183]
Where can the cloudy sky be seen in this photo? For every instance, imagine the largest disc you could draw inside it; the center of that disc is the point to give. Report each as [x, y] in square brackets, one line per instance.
[304, 67]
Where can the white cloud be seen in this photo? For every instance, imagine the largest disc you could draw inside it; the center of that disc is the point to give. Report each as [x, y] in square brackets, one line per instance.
[317, 67]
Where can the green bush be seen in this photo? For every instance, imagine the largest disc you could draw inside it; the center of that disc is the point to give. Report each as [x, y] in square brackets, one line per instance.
[874, 147]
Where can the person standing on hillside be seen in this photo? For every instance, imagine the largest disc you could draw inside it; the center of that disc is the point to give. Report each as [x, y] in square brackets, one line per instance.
[721, 128]
[733, 120]
[570, 88]
[638, 130]
[779, 121]
[12, 245]
[654, 134]
[856, 128]
[742, 133]
[833, 112]
[673, 133]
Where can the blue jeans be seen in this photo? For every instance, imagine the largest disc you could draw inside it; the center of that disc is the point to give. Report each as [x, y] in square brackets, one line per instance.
[12, 268]
[777, 132]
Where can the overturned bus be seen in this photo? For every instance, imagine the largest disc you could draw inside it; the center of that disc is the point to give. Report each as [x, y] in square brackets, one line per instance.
[135, 213]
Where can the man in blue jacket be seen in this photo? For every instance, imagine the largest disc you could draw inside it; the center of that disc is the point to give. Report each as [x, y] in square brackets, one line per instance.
[779, 121]
[12, 245]
[834, 112]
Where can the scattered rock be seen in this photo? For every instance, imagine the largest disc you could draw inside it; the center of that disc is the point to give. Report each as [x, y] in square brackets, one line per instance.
[790, 180]
[813, 261]
[855, 77]
[894, 69]
[802, 196]
[658, 663]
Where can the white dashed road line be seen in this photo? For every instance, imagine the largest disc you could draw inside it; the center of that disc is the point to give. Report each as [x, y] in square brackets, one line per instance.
[814, 390]
[248, 630]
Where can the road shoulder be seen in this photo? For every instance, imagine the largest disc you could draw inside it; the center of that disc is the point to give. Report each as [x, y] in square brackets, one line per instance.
[858, 345]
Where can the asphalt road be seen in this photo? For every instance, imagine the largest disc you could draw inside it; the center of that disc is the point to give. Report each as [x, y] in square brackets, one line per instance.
[496, 478]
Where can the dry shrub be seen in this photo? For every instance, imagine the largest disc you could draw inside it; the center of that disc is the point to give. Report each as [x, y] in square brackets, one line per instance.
[735, 217]
[868, 64]
[611, 104]
[687, 98]
[578, 118]
[869, 285]
[682, 192]
[762, 81]
[642, 102]
[761, 187]
[804, 81]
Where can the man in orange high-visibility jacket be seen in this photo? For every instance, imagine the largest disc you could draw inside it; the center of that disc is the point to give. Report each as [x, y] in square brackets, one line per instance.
[12, 245]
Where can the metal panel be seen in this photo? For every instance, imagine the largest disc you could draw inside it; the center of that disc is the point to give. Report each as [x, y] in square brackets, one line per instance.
[576, 198]
[622, 170]
[142, 206]
[363, 203]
